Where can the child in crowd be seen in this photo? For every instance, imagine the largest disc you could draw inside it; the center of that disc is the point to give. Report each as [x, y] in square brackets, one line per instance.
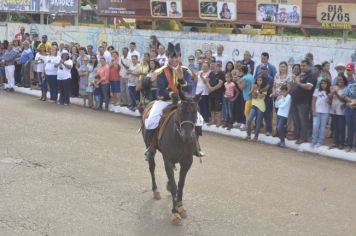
[230, 96]
[283, 103]
[97, 92]
[321, 108]
[258, 107]
[338, 112]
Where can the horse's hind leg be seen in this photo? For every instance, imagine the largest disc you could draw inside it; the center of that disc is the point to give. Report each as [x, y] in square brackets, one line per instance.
[184, 168]
[152, 166]
[176, 218]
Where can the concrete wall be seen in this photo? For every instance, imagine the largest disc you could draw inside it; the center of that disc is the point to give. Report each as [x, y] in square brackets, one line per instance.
[290, 49]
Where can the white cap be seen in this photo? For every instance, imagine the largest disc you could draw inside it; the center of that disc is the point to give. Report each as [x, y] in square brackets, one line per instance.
[65, 51]
[340, 65]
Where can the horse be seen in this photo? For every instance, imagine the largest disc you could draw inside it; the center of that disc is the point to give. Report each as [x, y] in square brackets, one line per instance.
[177, 144]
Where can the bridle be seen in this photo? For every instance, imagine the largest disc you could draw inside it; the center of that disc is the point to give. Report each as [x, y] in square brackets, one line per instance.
[180, 124]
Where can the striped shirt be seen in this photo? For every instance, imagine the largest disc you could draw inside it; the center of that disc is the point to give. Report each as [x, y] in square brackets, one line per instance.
[10, 57]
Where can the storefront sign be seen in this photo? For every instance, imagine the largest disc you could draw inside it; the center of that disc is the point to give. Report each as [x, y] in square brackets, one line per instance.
[40, 6]
[336, 16]
[279, 12]
[166, 9]
[218, 10]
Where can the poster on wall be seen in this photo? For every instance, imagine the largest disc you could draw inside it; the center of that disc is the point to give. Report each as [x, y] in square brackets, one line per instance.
[166, 9]
[218, 10]
[40, 6]
[336, 16]
[273, 12]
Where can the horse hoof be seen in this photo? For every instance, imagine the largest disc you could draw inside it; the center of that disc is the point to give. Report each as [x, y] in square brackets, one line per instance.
[182, 212]
[176, 219]
[156, 195]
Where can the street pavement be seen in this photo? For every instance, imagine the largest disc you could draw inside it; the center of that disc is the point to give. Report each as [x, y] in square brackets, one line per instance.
[67, 170]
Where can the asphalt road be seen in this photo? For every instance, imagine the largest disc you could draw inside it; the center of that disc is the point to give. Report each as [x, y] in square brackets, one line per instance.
[75, 171]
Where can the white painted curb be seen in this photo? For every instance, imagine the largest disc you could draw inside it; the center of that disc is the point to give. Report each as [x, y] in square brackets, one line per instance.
[305, 147]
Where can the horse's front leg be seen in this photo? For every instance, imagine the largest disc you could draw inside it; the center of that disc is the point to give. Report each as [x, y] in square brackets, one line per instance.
[184, 168]
[175, 217]
[152, 166]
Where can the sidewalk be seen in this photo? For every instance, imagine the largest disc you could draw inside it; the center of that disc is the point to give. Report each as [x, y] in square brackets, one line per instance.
[305, 147]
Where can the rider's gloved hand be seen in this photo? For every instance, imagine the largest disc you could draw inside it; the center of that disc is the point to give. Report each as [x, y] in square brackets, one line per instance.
[175, 98]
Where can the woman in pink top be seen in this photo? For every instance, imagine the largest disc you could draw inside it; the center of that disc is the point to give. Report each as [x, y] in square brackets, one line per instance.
[104, 72]
[230, 96]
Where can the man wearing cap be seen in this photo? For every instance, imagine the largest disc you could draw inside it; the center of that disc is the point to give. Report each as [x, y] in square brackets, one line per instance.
[170, 79]
[271, 68]
[340, 69]
[269, 80]
[45, 42]
[350, 73]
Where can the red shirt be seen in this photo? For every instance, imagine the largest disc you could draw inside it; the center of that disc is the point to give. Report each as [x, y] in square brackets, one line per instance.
[114, 71]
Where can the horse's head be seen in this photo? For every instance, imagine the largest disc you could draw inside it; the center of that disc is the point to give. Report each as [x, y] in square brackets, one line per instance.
[186, 117]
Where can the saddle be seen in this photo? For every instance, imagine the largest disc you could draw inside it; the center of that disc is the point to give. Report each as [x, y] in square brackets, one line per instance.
[167, 114]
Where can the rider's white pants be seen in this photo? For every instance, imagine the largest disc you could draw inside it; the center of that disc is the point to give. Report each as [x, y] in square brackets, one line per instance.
[156, 113]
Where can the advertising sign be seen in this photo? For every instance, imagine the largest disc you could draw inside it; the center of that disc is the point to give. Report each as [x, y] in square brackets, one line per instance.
[218, 10]
[336, 16]
[40, 6]
[279, 12]
[166, 9]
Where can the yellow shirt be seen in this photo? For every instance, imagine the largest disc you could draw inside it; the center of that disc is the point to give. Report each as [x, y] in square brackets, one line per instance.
[47, 46]
[259, 102]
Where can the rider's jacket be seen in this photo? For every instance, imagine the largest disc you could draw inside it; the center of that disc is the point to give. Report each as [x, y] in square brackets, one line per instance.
[168, 85]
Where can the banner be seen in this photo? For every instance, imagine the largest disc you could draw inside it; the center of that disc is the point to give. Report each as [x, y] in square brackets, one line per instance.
[336, 16]
[166, 9]
[218, 10]
[41, 6]
[272, 12]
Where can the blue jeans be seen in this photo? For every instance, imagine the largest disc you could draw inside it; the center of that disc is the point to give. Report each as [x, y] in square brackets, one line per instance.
[339, 125]
[255, 112]
[268, 113]
[228, 108]
[134, 95]
[105, 95]
[281, 128]
[64, 86]
[44, 86]
[53, 86]
[319, 127]
[204, 107]
[350, 115]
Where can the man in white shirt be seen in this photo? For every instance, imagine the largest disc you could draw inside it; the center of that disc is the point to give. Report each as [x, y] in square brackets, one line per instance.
[133, 51]
[162, 58]
[134, 74]
[219, 55]
[106, 54]
[125, 62]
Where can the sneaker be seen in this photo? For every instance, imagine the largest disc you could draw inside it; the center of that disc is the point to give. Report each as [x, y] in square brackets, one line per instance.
[348, 149]
[333, 146]
[299, 141]
[283, 145]
[312, 145]
[279, 144]
[255, 139]
[317, 145]
[268, 134]
[248, 138]
[11, 90]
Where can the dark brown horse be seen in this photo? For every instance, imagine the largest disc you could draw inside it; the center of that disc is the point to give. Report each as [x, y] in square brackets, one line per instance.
[177, 145]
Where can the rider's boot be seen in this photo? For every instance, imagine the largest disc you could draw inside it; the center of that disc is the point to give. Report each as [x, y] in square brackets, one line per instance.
[198, 152]
[150, 143]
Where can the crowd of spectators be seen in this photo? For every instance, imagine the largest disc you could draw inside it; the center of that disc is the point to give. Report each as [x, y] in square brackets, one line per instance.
[301, 102]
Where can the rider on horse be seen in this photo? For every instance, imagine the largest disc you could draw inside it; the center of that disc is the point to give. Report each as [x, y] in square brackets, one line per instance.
[171, 79]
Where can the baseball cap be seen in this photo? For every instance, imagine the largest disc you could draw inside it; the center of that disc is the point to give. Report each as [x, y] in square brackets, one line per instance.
[264, 66]
[339, 65]
[64, 52]
[350, 66]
